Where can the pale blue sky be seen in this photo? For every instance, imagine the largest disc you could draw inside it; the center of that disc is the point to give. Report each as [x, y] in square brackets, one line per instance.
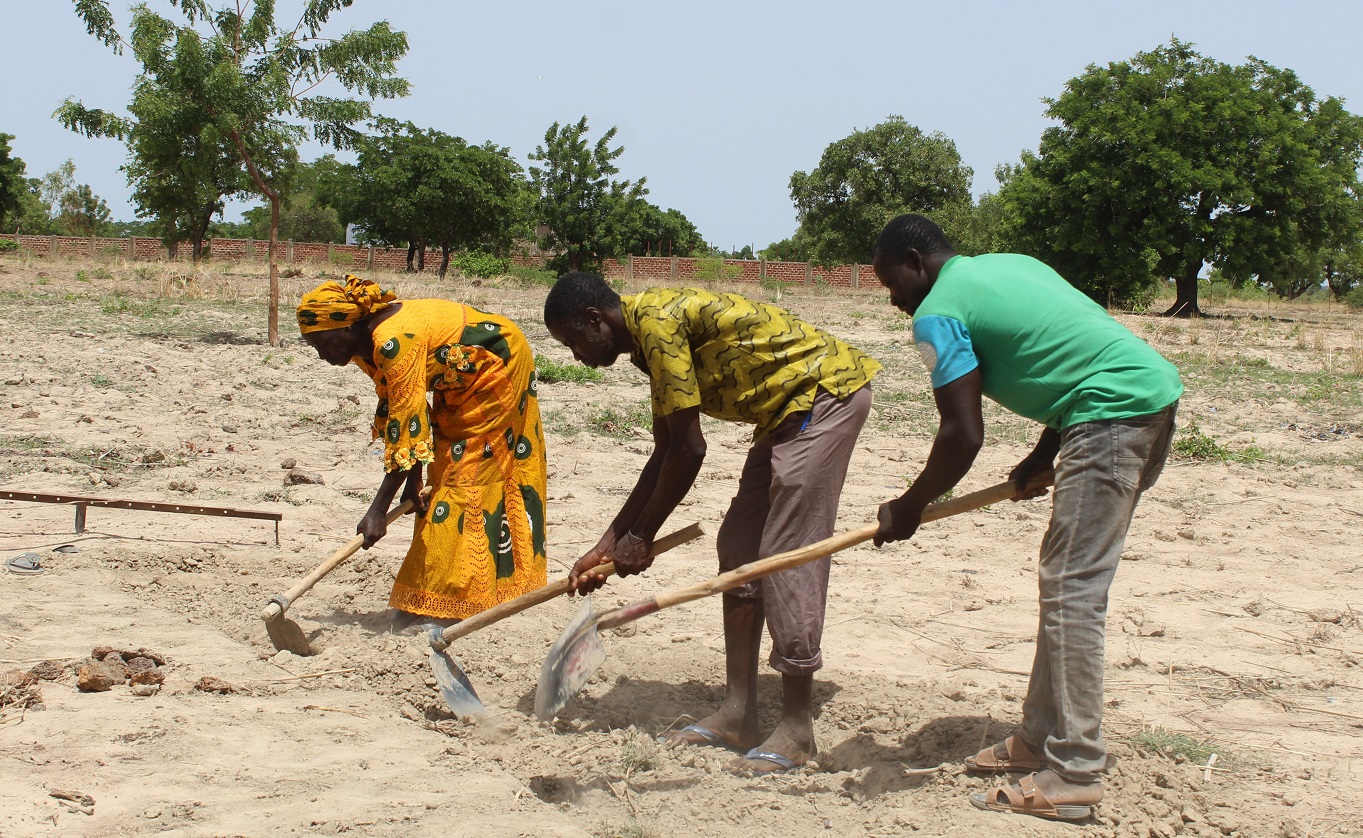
[717, 102]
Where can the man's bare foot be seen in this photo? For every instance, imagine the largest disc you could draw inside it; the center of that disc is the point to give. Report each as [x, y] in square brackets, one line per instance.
[718, 729]
[791, 745]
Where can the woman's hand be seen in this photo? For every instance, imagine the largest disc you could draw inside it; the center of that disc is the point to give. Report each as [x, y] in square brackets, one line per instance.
[411, 491]
[372, 526]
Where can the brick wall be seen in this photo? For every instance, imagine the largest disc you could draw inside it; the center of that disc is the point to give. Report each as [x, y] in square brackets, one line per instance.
[360, 257]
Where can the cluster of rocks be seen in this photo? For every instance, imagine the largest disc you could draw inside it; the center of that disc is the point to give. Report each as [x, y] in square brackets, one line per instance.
[108, 667]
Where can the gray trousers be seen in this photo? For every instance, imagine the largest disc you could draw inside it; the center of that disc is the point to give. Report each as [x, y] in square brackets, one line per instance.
[788, 498]
[1102, 471]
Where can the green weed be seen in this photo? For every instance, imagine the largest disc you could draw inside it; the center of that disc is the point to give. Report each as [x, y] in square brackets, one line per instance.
[1193, 444]
[1174, 745]
[620, 423]
[552, 372]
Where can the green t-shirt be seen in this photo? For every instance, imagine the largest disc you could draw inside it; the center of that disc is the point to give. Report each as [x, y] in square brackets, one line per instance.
[738, 359]
[1044, 350]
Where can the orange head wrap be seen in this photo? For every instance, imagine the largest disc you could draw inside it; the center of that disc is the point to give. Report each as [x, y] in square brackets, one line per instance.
[333, 306]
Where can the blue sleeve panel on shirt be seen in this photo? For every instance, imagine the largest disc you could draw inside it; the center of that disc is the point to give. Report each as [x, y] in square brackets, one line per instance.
[945, 346]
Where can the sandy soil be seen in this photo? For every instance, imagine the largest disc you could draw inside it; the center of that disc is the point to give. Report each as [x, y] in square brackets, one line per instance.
[1235, 620]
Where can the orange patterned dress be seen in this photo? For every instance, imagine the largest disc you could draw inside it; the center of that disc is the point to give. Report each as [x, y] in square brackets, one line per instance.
[481, 542]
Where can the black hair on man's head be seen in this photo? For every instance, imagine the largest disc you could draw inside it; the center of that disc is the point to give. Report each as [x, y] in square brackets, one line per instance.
[573, 294]
[911, 232]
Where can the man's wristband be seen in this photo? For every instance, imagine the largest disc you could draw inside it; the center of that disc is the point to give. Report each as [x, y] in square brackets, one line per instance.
[630, 535]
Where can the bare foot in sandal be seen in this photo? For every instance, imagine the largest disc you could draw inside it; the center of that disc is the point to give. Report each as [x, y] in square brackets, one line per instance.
[1043, 795]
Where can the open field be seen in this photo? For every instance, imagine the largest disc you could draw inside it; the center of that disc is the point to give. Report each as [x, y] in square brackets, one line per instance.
[1236, 625]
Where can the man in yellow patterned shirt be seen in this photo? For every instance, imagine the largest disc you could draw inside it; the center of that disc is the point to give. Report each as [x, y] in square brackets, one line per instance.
[808, 394]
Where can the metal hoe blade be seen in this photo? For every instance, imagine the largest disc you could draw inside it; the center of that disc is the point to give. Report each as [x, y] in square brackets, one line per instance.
[571, 661]
[286, 635]
[454, 683]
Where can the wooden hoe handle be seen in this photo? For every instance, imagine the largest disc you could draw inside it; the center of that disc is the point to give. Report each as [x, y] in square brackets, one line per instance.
[556, 589]
[282, 601]
[809, 553]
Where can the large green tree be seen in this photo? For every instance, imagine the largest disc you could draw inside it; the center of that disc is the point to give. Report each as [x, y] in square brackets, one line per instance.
[653, 230]
[258, 80]
[1171, 161]
[418, 186]
[870, 176]
[13, 183]
[588, 215]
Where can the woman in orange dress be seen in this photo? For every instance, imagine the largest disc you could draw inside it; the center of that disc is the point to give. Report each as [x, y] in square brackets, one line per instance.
[479, 538]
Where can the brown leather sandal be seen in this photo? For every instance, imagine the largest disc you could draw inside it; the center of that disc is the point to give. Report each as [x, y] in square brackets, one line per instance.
[1024, 798]
[1012, 754]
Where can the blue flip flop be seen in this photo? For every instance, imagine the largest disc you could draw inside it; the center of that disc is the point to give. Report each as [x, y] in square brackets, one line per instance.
[710, 737]
[25, 564]
[787, 765]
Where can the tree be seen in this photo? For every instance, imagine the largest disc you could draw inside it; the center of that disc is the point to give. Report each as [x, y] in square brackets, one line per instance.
[867, 178]
[658, 232]
[305, 215]
[417, 186]
[56, 205]
[586, 213]
[13, 183]
[256, 80]
[1172, 161]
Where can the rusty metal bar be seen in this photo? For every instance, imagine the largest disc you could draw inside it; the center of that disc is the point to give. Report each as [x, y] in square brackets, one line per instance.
[83, 502]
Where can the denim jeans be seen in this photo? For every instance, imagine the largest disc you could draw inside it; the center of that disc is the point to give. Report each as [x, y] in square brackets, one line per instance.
[1102, 471]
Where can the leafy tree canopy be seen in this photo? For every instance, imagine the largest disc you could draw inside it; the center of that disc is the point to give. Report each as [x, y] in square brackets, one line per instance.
[417, 187]
[588, 215]
[867, 178]
[257, 82]
[1172, 160]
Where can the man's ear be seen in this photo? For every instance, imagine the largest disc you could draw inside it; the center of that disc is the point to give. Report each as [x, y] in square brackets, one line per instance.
[914, 261]
[592, 316]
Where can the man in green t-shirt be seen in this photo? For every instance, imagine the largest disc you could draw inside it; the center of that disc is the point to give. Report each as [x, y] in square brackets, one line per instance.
[808, 394]
[1010, 328]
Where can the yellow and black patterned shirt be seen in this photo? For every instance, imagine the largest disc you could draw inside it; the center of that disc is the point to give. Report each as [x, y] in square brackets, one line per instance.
[739, 360]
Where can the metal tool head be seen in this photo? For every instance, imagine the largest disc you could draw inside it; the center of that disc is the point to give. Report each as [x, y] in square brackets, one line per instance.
[454, 683]
[286, 635]
[571, 661]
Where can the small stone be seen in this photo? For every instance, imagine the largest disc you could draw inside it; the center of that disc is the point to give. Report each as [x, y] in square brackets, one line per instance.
[99, 652]
[140, 664]
[94, 478]
[47, 671]
[148, 676]
[18, 678]
[115, 661]
[144, 690]
[29, 414]
[298, 476]
[1187, 533]
[86, 419]
[155, 455]
[229, 428]
[97, 677]
[288, 463]
[209, 684]
[187, 486]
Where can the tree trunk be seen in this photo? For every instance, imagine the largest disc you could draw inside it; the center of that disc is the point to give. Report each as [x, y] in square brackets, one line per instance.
[421, 257]
[411, 255]
[1185, 303]
[444, 258]
[201, 231]
[172, 250]
[272, 331]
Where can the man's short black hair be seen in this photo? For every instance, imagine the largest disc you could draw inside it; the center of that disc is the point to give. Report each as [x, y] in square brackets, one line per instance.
[573, 294]
[911, 232]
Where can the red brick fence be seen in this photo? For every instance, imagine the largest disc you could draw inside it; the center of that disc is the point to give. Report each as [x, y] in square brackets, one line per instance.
[352, 257]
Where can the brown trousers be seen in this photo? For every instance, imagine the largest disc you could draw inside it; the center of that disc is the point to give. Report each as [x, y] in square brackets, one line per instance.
[788, 498]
